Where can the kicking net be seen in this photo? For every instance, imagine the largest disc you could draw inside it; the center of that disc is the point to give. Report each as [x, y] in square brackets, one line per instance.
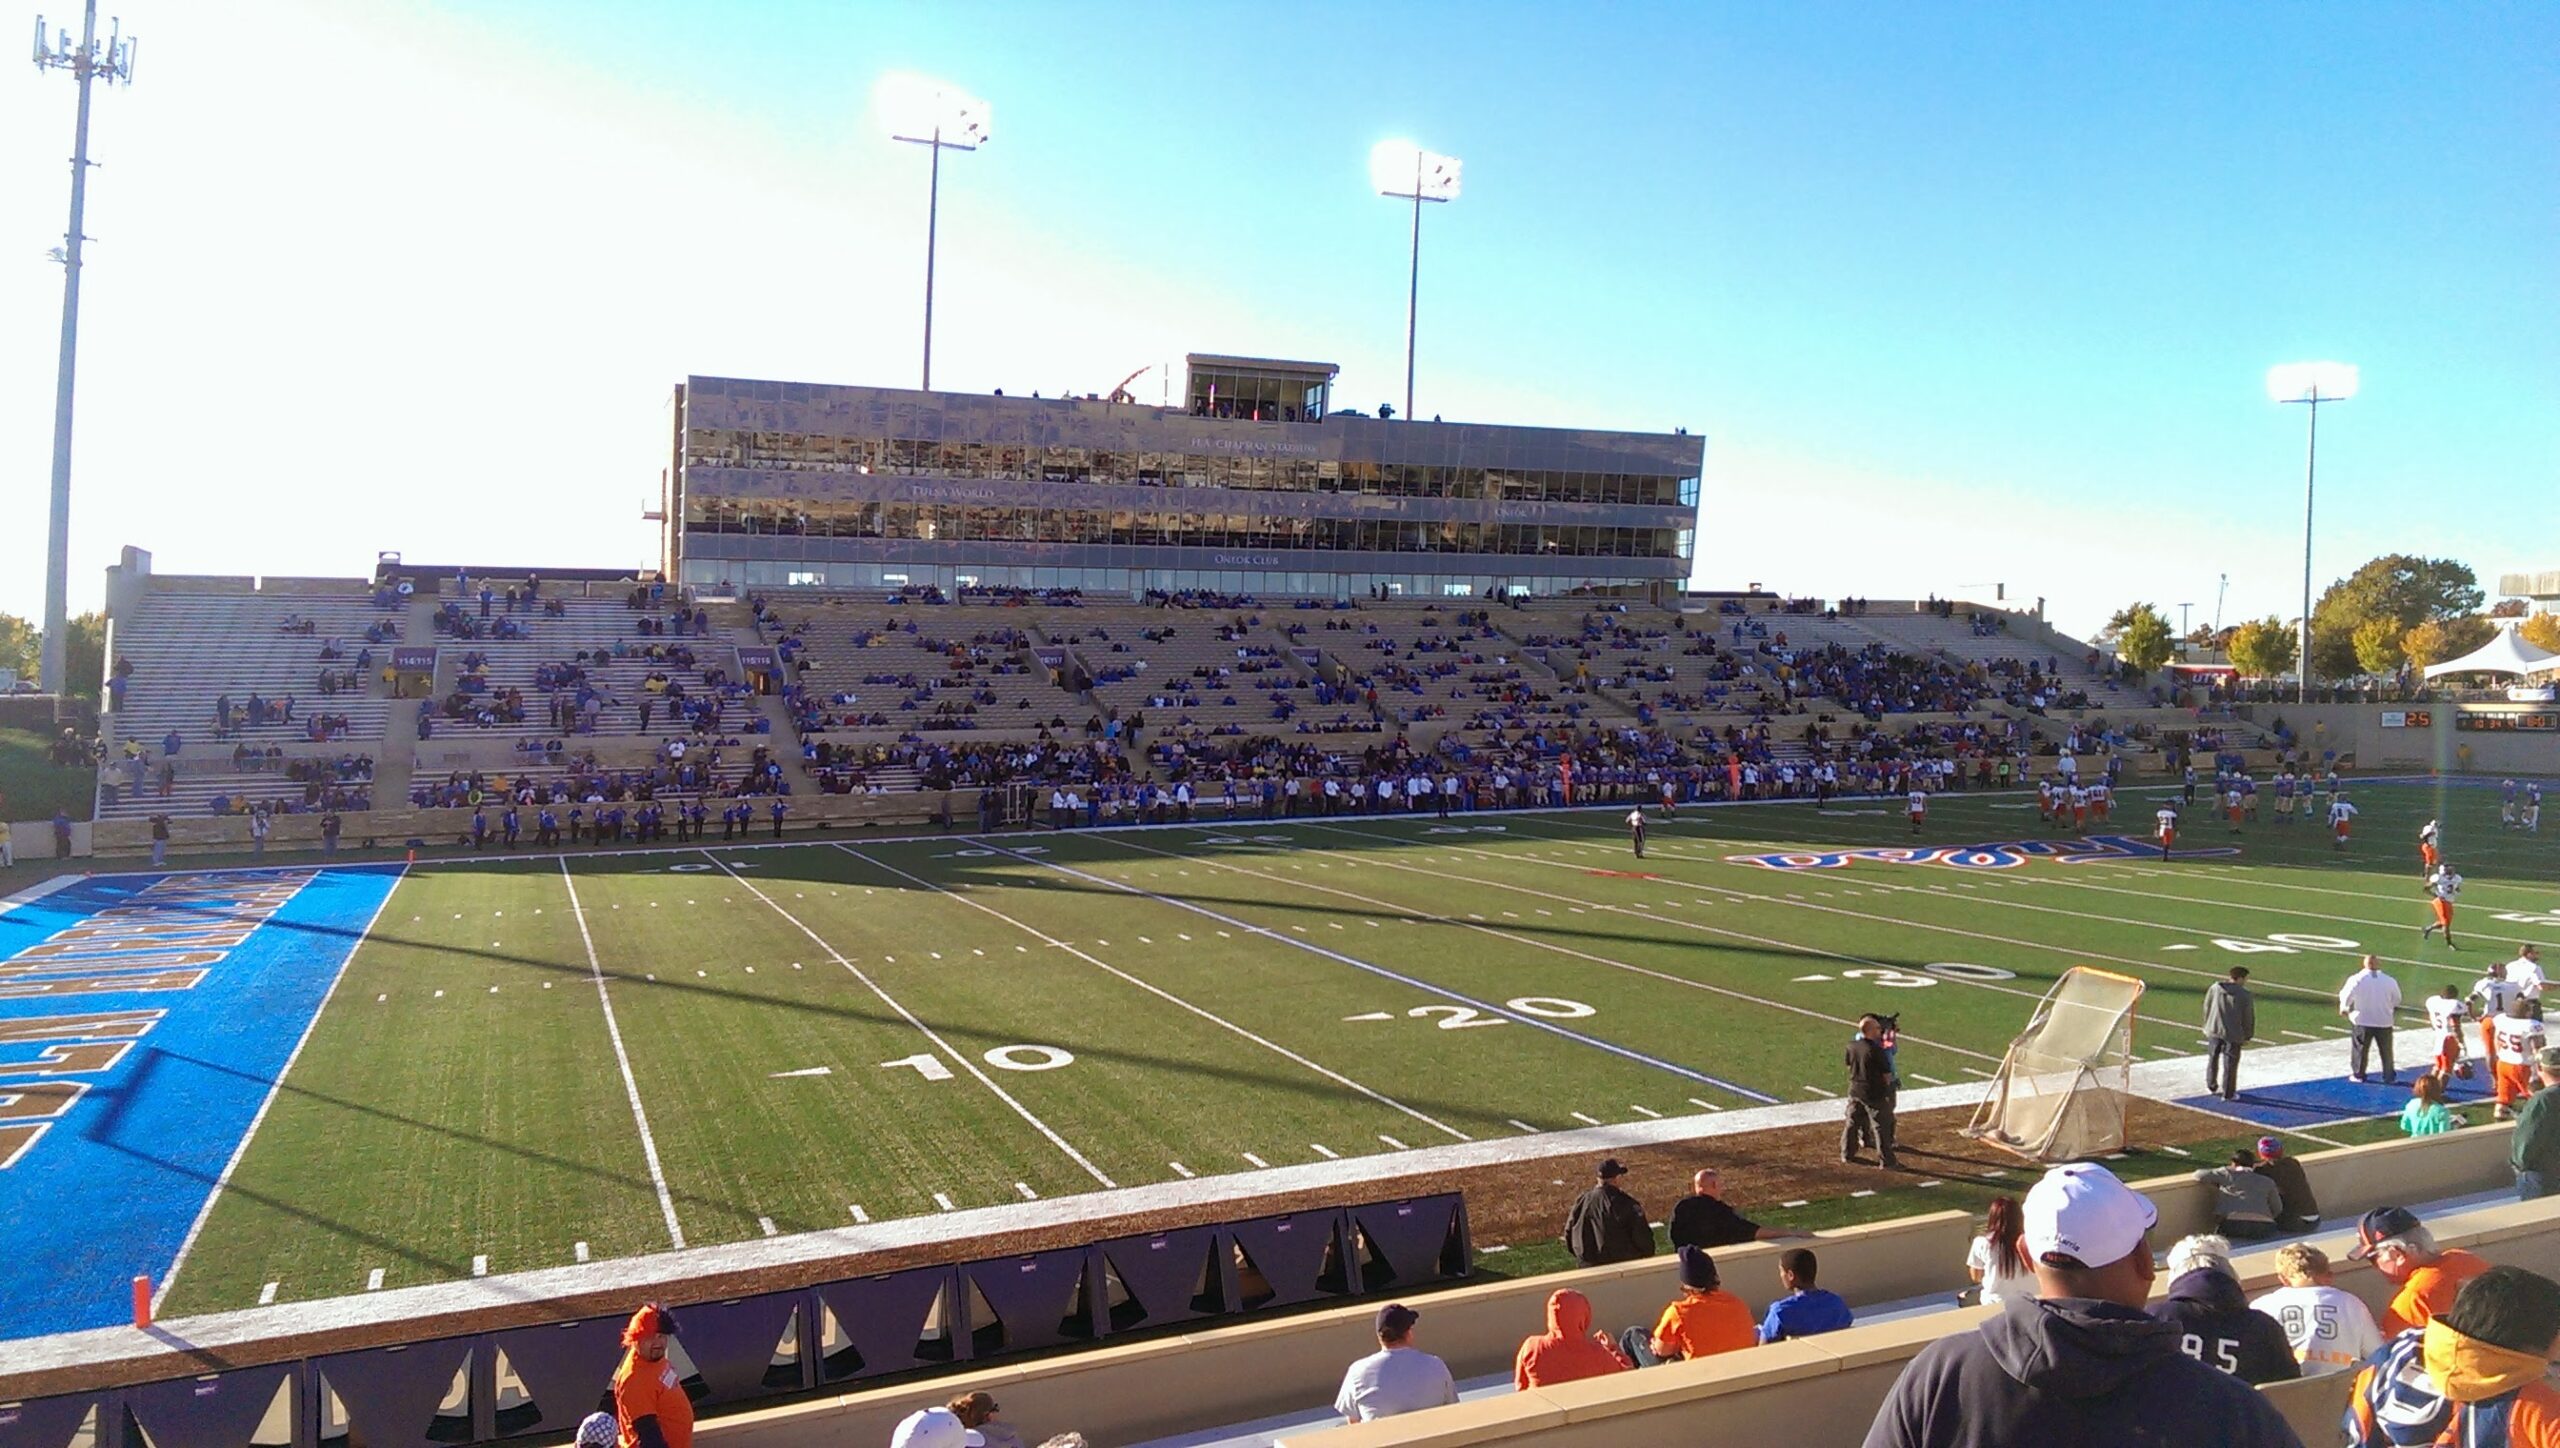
[2061, 1090]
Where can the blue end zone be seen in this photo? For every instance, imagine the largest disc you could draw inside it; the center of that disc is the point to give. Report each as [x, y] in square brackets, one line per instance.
[2309, 1105]
[115, 1180]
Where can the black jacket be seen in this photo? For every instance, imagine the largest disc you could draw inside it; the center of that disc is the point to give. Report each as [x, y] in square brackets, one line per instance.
[1871, 1077]
[2069, 1371]
[2222, 1331]
[1606, 1225]
[2293, 1187]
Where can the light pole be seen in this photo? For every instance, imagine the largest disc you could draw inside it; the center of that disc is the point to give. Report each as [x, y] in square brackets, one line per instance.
[2309, 383]
[933, 115]
[1403, 169]
[92, 60]
[2182, 627]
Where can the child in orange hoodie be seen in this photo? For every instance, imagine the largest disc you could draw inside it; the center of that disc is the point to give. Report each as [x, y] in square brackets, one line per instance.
[1568, 1349]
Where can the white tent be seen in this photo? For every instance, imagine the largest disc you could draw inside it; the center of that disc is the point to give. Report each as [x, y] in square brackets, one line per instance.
[2506, 654]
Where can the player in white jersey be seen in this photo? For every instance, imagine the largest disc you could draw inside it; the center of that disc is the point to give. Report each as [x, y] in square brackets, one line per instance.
[2044, 800]
[2165, 829]
[2232, 802]
[2446, 1013]
[2490, 994]
[2442, 887]
[2516, 1038]
[2525, 974]
[2529, 814]
[2342, 819]
[1919, 806]
[2102, 800]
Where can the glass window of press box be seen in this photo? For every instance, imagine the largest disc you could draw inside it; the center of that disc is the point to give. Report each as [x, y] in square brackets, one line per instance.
[1033, 463]
[967, 522]
[1134, 582]
[1259, 391]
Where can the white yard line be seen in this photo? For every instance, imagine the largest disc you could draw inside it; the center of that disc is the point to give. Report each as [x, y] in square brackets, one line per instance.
[1410, 914]
[622, 1057]
[1791, 902]
[275, 1088]
[966, 1062]
[1786, 946]
[1415, 982]
[1159, 992]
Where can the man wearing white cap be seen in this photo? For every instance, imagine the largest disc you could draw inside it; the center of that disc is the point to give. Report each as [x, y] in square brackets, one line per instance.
[2082, 1363]
[934, 1428]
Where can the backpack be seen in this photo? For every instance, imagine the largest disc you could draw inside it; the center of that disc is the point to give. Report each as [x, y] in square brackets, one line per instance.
[2396, 1405]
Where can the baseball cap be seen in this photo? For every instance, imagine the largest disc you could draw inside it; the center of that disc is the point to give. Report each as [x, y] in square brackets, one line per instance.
[1610, 1167]
[2508, 1307]
[2082, 1210]
[935, 1428]
[653, 1317]
[2269, 1146]
[2381, 1225]
[598, 1430]
[2548, 1058]
[1395, 1320]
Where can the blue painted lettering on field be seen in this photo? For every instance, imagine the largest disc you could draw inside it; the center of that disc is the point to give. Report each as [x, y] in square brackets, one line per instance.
[144, 1020]
[2001, 855]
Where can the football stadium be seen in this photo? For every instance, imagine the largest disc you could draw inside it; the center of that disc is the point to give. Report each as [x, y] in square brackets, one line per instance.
[1218, 917]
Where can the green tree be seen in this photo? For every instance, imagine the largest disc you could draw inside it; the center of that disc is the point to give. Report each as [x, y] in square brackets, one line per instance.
[2143, 640]
[2403, 587]
[2377, 644]
[2542, 630]
[84, 656]
[20, 645]
[2508, 608]
[2439, 639]
[2263, 649]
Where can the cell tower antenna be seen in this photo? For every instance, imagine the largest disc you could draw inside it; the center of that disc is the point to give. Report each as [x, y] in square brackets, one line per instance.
[90, 60]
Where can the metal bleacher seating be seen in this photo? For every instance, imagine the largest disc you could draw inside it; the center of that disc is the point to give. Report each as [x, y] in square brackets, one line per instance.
[191, 651]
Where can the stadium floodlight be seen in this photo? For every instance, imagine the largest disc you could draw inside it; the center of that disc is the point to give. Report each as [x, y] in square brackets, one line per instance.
[1403, 169]
[927, 113]
[89, 61]
[2309, 383]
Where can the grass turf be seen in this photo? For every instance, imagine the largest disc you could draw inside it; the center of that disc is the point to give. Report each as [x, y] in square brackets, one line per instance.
[32, 787]
[1030, 1016]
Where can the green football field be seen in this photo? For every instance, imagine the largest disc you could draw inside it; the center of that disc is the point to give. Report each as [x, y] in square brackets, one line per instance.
[535, 1061]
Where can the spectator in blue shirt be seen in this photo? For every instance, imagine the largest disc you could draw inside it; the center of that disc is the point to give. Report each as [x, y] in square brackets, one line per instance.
[1806, 1309]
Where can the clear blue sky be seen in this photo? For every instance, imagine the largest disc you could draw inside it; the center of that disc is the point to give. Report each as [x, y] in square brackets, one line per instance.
[1956, 295]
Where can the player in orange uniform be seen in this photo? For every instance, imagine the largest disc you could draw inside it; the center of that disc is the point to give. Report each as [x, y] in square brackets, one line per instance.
[2430, 850]
[2519, 1039]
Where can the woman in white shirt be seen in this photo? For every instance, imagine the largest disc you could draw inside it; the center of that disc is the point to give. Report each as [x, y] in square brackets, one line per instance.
[1998, 1257]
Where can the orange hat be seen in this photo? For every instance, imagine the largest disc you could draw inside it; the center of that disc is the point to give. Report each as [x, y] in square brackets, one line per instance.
[651, 1319]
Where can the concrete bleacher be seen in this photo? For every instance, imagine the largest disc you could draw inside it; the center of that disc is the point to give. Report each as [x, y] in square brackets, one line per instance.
[1470, 678]
[591, 626]
[191, 647]
[1212, 666]
[994, 679]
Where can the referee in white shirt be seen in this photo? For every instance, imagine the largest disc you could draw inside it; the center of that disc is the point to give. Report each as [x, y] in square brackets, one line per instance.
[2368, 1000]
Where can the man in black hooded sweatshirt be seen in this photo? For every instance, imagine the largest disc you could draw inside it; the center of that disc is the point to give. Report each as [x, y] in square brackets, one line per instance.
[2080, 1364]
